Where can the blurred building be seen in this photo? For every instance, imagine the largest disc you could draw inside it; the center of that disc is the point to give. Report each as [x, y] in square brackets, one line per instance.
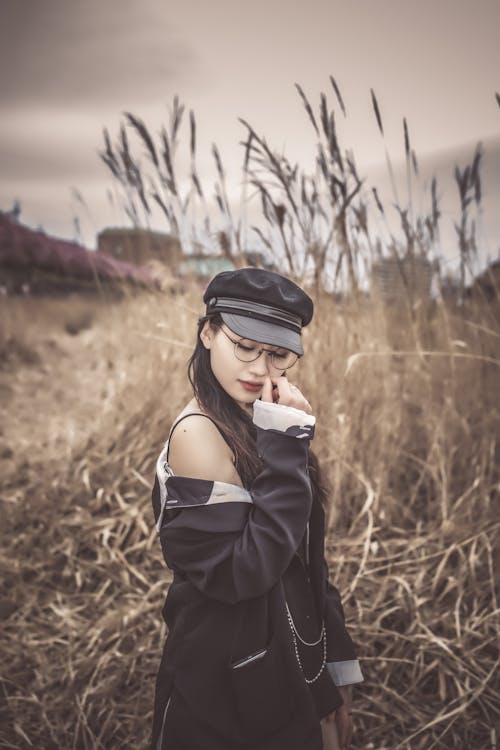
[144, 247]
[138, 246]
[486, 286]
[396, 279]
[203, 266]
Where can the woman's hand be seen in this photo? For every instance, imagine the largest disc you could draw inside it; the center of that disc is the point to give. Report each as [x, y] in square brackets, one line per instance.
[341, 721]
[329, 733]
[279, 390]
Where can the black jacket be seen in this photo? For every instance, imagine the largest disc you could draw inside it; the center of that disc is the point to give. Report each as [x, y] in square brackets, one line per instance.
[239, 558]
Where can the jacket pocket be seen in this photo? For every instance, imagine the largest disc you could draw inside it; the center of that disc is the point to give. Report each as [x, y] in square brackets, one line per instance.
[263, 697]
[248, 659]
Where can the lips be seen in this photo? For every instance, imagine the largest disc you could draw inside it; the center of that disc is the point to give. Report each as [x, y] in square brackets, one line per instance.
[249, 386]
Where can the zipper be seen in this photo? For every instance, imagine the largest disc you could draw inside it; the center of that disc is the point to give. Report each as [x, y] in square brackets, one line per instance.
[160, 738]
[249, 659]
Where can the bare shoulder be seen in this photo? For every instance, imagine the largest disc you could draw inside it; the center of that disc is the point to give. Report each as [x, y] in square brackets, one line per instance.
[198, 450]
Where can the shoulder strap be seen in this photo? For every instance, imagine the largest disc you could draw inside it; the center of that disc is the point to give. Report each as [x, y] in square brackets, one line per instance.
[191, 414]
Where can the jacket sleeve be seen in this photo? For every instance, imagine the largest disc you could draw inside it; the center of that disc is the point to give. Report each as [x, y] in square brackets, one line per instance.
[341, 655]
[244, 561]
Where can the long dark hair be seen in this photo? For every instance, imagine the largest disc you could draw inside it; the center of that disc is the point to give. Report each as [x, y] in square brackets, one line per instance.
[235, 424]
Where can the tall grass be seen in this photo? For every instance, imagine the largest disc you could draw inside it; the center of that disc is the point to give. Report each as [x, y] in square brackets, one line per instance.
[410, 446]
[327, 225]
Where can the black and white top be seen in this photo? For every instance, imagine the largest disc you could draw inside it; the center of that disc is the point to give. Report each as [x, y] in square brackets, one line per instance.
[252, 618]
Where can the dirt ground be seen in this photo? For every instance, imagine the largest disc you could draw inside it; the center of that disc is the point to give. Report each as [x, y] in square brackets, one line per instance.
[66, 367]
[42, 411]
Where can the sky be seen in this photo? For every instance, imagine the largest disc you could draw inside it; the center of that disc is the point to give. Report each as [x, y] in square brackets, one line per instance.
[69, 69]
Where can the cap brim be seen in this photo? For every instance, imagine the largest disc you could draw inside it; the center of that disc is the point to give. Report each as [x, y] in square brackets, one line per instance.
[264, 332]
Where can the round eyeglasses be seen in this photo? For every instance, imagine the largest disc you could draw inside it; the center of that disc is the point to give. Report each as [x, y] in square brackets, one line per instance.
[281, 360]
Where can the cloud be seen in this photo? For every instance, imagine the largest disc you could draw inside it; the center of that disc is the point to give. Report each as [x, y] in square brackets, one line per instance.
[86, 54]
[37, 144]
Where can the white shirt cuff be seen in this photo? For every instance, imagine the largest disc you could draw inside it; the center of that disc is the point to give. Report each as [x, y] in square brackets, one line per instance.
[345, 672]
[287, 419]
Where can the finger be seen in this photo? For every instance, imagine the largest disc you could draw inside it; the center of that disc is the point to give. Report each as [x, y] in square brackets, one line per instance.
[330, 735]
[344, 724]
[341, 728]
[344, 727]
[267, 390]
[284, 390]
[299, 400]
[349, 737]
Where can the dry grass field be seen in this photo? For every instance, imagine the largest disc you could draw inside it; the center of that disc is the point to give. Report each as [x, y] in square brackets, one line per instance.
[408, 432]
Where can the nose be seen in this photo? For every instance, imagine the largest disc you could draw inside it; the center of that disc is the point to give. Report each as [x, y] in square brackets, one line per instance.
[261, 366]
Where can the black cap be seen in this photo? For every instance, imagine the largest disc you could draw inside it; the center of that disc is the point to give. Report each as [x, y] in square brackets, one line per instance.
[260, 305]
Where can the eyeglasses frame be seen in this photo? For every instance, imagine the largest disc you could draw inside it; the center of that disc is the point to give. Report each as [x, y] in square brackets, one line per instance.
[259, 353]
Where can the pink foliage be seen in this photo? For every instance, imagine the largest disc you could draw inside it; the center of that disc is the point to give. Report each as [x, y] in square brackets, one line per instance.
[22, 247]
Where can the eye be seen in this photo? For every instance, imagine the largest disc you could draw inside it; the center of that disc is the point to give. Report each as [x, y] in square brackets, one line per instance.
[280, 356]
[246, 348]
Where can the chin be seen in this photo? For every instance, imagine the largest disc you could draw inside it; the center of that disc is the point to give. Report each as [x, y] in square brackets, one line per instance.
[245, 404]
[248, 400]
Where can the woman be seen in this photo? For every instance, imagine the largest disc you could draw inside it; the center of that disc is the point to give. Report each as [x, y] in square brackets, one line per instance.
[257, 655]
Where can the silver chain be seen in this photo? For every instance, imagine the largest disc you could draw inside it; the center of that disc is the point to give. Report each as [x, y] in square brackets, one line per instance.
[295, 635]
